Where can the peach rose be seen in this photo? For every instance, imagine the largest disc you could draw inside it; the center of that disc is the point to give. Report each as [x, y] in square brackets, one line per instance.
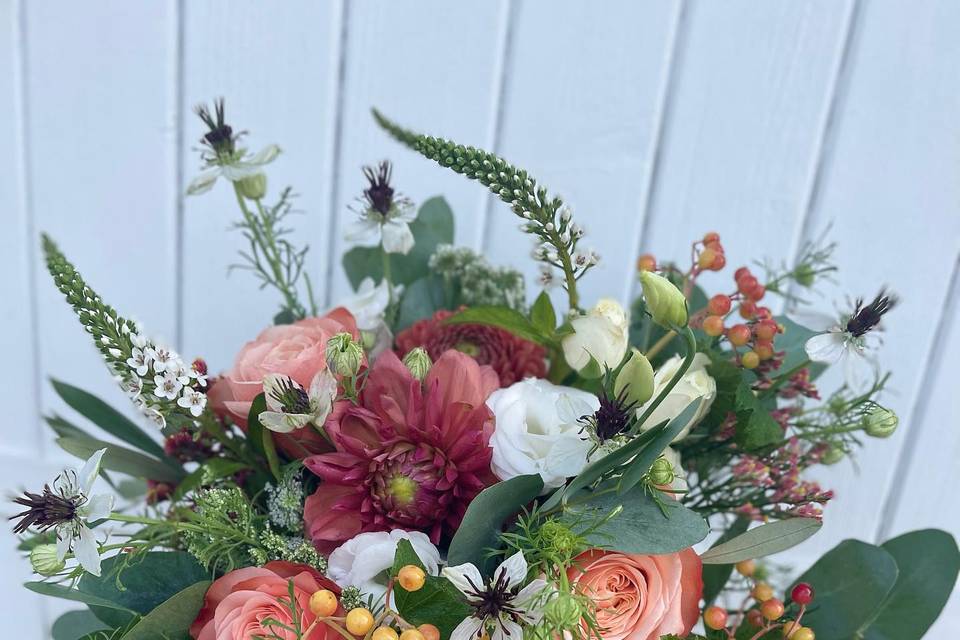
[296, 350]
[236, 603]
[641, 597]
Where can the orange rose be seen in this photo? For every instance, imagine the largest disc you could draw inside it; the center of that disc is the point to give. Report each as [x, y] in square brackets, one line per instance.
[236, 603]
[295, 350]
[641, 597]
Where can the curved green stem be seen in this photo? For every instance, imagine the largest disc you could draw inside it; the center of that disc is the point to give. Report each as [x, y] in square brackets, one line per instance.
[690, 347]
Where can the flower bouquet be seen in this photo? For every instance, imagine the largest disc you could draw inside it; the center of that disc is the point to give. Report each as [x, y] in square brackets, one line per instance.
[437, 457]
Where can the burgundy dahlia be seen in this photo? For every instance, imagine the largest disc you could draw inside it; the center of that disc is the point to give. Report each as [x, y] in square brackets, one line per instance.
[511, 357]
[408, 455]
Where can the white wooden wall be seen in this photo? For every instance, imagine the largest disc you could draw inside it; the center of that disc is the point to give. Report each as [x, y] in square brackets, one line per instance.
[764, 120]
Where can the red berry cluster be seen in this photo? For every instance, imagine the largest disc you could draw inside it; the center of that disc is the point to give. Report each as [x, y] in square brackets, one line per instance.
[708, 254]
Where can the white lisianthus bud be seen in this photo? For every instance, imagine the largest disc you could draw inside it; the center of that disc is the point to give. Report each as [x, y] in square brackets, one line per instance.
[253, 187]
[44, 560]
[880, 422]
[418, 362]
[601, 334]
[695, 383]
[664, 301]
[344, 354]
[636, 376]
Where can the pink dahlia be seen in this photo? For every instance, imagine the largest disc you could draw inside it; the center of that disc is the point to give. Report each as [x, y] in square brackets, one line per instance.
[408, 455]
[511, 357]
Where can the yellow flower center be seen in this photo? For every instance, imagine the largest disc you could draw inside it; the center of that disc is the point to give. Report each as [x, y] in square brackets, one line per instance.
[468, 348]
[402, 489]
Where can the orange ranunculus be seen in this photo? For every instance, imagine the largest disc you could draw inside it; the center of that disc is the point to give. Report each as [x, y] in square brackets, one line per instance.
[641, 597]
[236, 604]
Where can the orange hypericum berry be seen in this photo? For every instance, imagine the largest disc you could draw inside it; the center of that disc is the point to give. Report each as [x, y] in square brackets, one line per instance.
[750, 360]
[738, 335]
[646, 262]
[711, 236]
[740, 273]
[755, 618]
[748, 309]
[411, 577]
[411, 634]
[719, 262]
[765, 330]
[429, 631]
[757, 292]
[746, 284]
[715, 618]
[323, 603]
[771, 609]
[762, 592]
[713, 326]
[764, 350]
[746, 567]
[802, 593]
[359, 621]
[706, 258]
[803, 633]
[384, 633]
[719, 305]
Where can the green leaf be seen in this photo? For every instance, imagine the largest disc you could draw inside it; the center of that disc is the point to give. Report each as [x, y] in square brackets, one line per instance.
[122, 460]
[433, 226]
[437, 602]
[142, 585]
[728, 377]
[73, 625]
[640, 527]
[483, 521]
[420, 300]
[214, 469]
[66, 593]
[254, 428]
[106, 417]
[764, 540]
[503, 317]
[928, 562]
[66, 429]
[716, 576]
[758, 431]
[792, 341]
[542, 314]
[173, 617]
[851, 582]
[641, 464]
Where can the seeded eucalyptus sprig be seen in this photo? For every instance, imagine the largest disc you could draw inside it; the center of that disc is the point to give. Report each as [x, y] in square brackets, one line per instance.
[548, 219]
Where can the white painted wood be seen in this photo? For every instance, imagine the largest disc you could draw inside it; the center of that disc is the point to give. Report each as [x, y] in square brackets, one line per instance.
[752, 88]
[433, 67]
[276, 65]
[582, 111]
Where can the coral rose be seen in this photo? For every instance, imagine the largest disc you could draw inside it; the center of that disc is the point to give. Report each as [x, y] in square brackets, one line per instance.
[511, 357]
[295, 350]
[408, 455]
[641, 597]
[236, 604]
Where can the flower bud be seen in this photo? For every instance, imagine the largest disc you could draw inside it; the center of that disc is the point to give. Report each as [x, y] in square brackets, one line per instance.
[253, 187]
[418, 362]
[804, 275]
[880, 422]
[344, 354]
[661, 472]
[563, 611]
[832, 455]
[665, 302]
[43, 559]
[636, 376]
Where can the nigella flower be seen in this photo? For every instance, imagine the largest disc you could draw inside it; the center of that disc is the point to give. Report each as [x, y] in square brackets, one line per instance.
[293, 407]
[66, 508]
[223, 158]
[847, 341]
[500, 607]
[385, 218]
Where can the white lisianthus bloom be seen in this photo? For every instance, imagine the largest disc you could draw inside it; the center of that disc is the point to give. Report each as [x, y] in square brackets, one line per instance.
[291, 407]
[364, 560]
[602, 333]
[695, 383]
[368, 304]
[537, 431]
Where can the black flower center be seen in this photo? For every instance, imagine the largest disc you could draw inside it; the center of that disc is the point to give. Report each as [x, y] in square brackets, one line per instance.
[220, 138]
[867, 317]
[291, 397]
[614, 416]
[496, 600]
[379, 194]
[46, 510]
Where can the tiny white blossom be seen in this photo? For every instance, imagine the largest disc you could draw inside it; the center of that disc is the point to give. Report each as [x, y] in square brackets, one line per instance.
[160, 358]
[167, 386]
[193, 400]
[139, 361]
[179, 371]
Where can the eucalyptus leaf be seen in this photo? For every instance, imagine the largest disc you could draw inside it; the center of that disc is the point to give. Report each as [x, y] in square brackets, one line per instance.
[73, 625]
[420, 300]
[122, 460]
[173, 617]
[792, 342]
[716, 576]
[480, 530]
[437, 602]
[66, 593]
[764, 540]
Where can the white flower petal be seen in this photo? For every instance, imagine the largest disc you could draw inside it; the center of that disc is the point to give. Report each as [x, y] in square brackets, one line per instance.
[203, 182]
[507, 629]
[465, 577]
[364, 231]
[274, 385]
[284, 422]
[827, 347]
[470, 629]
[86, 551]
[397, 237]
[266, 155]
[515, 568]
[88, 473]
[98, 507]
[64, 538]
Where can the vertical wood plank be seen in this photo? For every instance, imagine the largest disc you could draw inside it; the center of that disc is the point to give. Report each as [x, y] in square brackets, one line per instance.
[276, 66]
[432, 66]
[889, 187]
[753, 86]
[100, 129]
[581, 114]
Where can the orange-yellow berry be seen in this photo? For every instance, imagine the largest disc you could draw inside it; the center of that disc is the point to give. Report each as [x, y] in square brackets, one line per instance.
[359, 621]
[706, 258]
[411, 577]
[748, 309]
[802, 633]
[762, 592]
[713, 326]
[384, 633]
[646, 262]
[411, 634]
[755, 618]
[711, 236]
[765, 330]
[764, 350]
[719, 305]
[746, 567]
[719, 262]
[738, 335]
[771, 609]
[750, 359]
[715, 618]
[429, 631]
[323, 603]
